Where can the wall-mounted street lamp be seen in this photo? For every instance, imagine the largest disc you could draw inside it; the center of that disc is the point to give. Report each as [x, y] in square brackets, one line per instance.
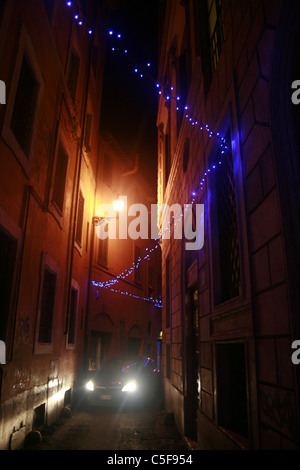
[117, 205]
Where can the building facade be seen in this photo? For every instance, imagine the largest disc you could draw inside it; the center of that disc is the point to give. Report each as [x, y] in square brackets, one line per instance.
[125, 299]
[52, 61]
[228, 139]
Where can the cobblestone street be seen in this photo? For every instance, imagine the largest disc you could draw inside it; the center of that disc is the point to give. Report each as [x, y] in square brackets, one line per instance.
[107, 429]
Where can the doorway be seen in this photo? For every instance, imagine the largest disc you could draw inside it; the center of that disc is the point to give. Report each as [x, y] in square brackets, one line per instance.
[99, 349]
[192, 363]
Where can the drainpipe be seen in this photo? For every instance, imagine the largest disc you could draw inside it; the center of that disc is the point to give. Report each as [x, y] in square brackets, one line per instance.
[78, 184]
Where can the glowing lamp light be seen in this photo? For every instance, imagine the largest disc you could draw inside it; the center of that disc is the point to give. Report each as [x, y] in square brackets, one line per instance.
[118, 205]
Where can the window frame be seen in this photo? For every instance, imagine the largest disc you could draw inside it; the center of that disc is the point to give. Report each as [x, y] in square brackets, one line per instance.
[226, 417]
[51, 265]
[25, 47]
[219, 297]
[228, 117]
[74, 287]
[12, 228]
[55, 210]
[105, 244]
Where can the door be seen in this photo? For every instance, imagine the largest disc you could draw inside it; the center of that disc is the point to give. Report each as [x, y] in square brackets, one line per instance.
[192, 364]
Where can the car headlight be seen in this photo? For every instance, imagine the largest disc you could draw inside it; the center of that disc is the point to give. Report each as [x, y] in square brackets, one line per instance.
[130, 387]
[90, 386]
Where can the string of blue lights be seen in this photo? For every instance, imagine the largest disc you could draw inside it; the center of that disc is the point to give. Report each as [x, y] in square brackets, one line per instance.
[143, 72]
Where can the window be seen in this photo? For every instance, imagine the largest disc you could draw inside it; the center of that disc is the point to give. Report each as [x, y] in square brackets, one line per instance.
[224, 230]
[23, 115]
[80, 214]
[23, 103]
[103, 252]
[232, 388]
[60, 178]
[212, 36]
[73, 73]
[8, 252]
[215, 30]
[47, 306]
[72, 316]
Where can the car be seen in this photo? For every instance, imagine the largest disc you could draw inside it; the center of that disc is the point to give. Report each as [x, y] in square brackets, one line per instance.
[119, 382]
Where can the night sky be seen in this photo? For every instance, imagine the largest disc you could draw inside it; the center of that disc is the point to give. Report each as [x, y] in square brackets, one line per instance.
[130, 103]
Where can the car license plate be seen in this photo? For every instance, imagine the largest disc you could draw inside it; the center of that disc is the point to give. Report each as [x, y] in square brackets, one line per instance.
[105, 397]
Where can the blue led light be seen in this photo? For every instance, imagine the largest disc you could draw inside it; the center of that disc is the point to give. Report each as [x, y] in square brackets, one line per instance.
[168, 94]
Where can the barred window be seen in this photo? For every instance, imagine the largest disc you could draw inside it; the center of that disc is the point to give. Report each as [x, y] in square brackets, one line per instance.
[22, 120]
[224, 229]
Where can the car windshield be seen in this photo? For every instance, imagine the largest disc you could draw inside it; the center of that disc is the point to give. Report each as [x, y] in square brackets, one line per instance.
[126, 365]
